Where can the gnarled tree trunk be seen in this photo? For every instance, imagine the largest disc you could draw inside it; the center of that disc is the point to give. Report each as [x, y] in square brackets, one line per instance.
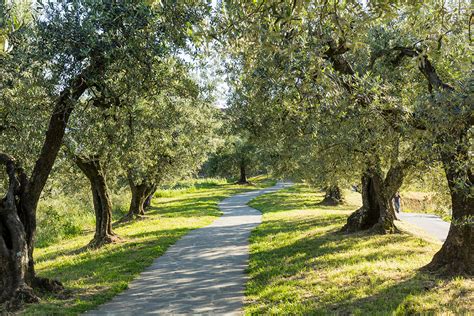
[377, 212]
[456, 256]
[15, 280]
[94, 171]
[333, 196]
[14, 250]
[366, 216]
[18, 231]
[140, 193]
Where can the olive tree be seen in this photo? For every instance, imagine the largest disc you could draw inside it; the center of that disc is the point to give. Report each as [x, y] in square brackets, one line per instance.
[235, 157]
[103, 139]
[66, 51]
[331, 58]
[90, 145]
[168, 136]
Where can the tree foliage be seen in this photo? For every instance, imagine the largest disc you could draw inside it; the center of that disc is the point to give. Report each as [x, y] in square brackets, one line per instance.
[342, 90]
[71, 62]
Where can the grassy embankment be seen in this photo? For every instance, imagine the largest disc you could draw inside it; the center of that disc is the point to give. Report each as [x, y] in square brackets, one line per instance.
[300, 264]
[92, 277]
[427, 192]
[425, 202]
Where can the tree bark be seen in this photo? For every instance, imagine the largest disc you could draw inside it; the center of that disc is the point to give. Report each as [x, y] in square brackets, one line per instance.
[13, 242]
[147, 203]
[94, 171]
[140, 193]
[377, 212]
[138, 199]
[366, 216]
[243, 174]
[456, 256]
[333, 196]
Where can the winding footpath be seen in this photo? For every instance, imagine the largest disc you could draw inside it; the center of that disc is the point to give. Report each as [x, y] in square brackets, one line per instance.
[204, 272]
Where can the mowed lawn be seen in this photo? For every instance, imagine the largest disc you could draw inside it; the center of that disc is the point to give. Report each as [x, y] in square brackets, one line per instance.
[300, 264]
[92, 277]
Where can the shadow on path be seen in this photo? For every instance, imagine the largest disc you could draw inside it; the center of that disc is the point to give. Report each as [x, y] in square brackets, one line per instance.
[203, 272]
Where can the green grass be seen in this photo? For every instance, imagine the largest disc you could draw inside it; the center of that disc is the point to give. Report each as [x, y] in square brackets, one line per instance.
[300, 264]
[92, 277]
[64, 217]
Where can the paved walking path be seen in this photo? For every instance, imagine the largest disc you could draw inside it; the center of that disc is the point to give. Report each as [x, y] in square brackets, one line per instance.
[204, 272]
[432, 224]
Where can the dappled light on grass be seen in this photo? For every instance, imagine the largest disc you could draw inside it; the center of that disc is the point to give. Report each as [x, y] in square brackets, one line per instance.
[106, 271]
[93, 277]
[301, 264]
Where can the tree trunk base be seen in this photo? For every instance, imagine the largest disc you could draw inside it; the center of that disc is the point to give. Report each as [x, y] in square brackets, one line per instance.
[26, 295]
[383, 229]
[333, 196]
[456, 256]
[448, 268]
[243, 182]
[103, 240]
[131, 217]
[361, 220]
[330, 201]
[23, 295]
[358, 221]
[47, 285]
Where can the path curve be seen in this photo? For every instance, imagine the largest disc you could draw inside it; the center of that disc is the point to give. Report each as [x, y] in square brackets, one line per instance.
[204, 272]
[430, 223]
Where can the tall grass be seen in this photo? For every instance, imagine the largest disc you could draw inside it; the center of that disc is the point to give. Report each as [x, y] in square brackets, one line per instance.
[64, 217]
[189, 186]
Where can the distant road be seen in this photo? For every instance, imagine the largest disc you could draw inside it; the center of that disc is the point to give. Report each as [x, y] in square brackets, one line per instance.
[430, 223]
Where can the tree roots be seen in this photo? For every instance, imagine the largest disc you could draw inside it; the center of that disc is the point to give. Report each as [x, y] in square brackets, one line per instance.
[98, 242]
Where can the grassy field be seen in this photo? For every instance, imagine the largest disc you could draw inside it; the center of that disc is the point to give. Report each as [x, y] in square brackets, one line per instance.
[92, 277]
[300, 264]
